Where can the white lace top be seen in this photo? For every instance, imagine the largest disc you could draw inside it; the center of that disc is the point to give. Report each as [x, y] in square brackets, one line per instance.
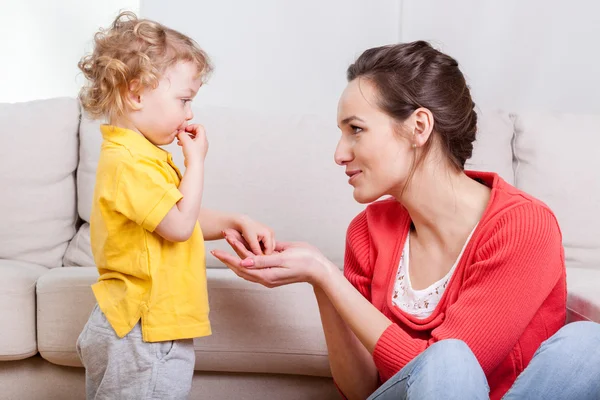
[420, 303]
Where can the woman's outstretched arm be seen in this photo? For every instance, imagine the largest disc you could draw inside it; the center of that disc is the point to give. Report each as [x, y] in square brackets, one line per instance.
[350, 337]
[352, 366]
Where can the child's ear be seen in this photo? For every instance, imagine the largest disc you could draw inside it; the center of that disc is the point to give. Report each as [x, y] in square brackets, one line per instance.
[134, 95]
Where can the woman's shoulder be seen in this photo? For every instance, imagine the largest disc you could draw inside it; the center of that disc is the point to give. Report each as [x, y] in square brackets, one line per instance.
[512, 213]
[509, 201]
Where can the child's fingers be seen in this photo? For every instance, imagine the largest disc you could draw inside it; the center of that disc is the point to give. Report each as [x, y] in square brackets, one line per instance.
[196, 130]
[251, 242]
[242, 250]
[268, 244]
[254, 245]
[237, 242]
[239, 247]
[232, 233]
[183, 137]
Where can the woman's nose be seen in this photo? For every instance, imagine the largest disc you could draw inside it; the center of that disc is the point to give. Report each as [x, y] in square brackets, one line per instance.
[343, 153]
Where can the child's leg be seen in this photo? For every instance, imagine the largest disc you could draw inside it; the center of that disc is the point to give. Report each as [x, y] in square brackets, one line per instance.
[130, 368]
[174, 371]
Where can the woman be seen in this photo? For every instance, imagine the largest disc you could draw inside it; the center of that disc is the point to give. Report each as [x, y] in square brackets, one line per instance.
[455, 285]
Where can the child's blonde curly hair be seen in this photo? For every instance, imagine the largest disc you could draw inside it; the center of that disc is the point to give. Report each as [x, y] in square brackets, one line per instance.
[132, 55]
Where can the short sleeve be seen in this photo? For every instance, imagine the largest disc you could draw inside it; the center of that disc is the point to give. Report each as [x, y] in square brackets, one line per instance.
[144, 193]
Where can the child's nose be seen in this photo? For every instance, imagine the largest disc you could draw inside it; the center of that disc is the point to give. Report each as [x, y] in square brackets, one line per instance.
[189, 115]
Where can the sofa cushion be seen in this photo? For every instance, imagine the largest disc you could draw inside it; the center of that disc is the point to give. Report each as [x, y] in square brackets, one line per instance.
[39, 155]
[17, 309]
[90, 140]
[254, 329]
[557, 162]
[583, 294]
[65, 300]
[79, 251]
[492, 150]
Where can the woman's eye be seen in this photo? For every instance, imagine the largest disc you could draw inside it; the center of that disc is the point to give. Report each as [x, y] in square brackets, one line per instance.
[356, 129]
[184, 101]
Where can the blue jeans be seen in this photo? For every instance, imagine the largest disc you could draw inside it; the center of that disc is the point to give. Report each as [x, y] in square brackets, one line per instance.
[566, 366]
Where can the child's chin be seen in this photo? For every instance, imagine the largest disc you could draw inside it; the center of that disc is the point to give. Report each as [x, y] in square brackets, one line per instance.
[167, 141]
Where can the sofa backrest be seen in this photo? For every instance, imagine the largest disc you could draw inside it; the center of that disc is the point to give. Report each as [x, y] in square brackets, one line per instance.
[279, 169]
[557, 160]
[492, 149]
[39, 160]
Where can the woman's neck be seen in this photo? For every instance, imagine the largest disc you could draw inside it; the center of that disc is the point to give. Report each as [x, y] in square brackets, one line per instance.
[444, 205]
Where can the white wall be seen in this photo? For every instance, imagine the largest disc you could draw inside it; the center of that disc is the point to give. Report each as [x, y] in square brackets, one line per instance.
[279, 55]
[535, 54]
[41, 42]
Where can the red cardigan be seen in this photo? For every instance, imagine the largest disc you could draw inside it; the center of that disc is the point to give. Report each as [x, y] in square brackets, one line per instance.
[506, 296]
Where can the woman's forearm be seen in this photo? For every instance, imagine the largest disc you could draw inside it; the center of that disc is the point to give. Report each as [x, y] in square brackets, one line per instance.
[351, 364]
[362, 317]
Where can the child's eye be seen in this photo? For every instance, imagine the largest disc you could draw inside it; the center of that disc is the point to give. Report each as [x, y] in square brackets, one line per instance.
[184, 101]
[356, 129]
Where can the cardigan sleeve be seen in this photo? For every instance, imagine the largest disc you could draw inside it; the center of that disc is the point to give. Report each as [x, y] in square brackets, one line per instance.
[356, 261]
[357, 268]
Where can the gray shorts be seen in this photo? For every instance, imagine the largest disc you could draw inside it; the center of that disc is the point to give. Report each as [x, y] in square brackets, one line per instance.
[131, 369]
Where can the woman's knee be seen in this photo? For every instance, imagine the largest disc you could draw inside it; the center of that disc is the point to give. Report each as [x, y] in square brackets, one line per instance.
[451, 348]
[445, 355]
[446, 367]
[577, 337]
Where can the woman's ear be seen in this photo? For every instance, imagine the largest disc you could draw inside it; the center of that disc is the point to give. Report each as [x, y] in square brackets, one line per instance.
[422, 126]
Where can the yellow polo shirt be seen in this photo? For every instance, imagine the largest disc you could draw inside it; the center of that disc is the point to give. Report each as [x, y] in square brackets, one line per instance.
[143, 275]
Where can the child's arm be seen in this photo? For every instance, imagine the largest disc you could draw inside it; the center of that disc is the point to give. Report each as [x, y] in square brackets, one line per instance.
[257, 237]
[213, 223]
[178, 225]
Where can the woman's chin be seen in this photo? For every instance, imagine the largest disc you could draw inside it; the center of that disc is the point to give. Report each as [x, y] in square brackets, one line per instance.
[364, 197]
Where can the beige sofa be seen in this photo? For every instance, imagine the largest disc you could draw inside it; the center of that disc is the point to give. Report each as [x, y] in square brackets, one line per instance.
[267, 343]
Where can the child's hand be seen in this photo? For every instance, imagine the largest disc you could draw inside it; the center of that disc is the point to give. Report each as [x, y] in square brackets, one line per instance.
[255, 236]
[194, 144]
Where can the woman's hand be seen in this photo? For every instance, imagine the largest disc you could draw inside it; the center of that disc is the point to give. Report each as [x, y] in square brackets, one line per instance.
[289, 263]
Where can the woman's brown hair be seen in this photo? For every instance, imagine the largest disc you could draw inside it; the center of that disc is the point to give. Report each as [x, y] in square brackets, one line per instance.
[409, 76]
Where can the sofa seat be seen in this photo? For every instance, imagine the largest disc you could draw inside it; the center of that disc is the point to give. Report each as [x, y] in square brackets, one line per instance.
[255, 329]
[17, 309]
